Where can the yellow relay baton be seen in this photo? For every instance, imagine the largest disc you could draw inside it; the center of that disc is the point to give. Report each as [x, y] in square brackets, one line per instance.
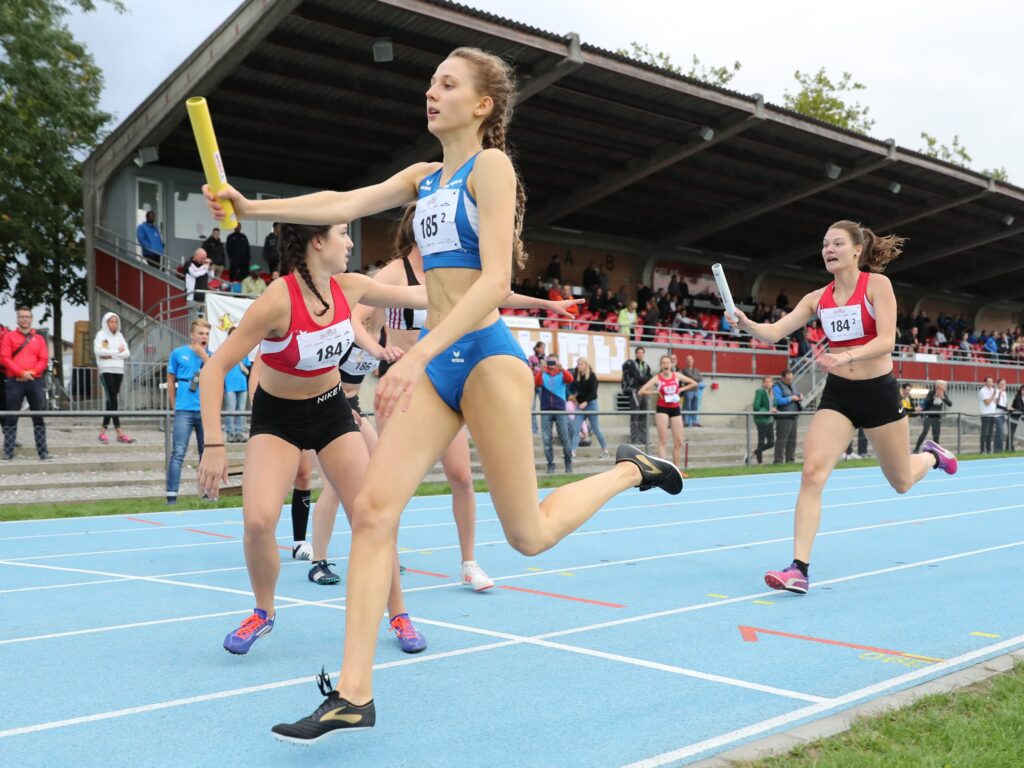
[213, 166]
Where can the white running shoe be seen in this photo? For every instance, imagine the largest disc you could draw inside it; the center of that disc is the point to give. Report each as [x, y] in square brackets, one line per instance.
[303, 550]
[474, 576]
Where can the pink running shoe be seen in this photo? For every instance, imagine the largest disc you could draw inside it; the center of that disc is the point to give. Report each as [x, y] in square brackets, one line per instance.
[945, 460]
[125, 438]
[103, 438]
[789, 578]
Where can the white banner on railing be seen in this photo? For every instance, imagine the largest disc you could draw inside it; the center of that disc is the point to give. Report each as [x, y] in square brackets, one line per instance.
[224, 312]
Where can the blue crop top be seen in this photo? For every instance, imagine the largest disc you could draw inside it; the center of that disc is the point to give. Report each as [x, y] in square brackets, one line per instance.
[446, 222]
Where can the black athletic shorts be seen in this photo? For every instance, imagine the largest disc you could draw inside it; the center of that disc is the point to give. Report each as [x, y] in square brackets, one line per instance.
[867, 403]
[310, 424]
[353, 403]
[670, 411]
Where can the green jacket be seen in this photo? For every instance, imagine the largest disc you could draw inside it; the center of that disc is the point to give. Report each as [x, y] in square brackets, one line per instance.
[762, 404]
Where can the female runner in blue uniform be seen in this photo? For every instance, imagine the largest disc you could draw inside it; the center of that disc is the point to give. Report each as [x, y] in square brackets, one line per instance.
[469, 214]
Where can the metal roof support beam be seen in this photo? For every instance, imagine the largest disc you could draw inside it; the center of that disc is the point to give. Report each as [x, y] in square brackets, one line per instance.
[921, 213]
[970, 278]
[701, 231]
[902, 265]
[428, 148]
[667, 155]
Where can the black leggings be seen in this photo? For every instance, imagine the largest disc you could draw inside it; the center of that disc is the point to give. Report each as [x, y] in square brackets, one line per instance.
[112, 386]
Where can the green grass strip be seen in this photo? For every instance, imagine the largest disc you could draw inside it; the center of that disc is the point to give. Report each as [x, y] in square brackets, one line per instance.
[42, 511]
[981, 726]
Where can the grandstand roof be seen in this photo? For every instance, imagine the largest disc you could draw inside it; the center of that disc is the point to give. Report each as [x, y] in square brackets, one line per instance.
[624, 152]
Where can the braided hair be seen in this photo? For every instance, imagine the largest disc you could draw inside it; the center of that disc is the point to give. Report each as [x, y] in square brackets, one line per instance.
[496, 79]
[878, 250]
[294, 239]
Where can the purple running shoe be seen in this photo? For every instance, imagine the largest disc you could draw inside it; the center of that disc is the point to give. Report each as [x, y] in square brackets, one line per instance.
[789, 578]
[945, 460]
[409, 638]
[253, 628]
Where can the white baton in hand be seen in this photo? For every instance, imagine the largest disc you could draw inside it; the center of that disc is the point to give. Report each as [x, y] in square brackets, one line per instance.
[723, 289]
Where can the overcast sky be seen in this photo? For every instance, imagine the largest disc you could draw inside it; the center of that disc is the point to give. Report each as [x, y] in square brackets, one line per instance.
[948, 68]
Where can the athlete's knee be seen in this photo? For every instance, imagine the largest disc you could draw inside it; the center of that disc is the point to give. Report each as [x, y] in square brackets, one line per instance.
[815, 472]
[371, 516]
[260, 524]
[460, 478]
[902, 484]
[526, 544]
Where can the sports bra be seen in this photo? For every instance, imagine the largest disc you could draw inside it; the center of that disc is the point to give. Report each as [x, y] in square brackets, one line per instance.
[851, 324]
[446, 222]
[668, 392]
[403, 318]
[309, 349]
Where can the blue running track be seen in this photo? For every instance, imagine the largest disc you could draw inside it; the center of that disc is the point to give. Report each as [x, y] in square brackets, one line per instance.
[647, 638]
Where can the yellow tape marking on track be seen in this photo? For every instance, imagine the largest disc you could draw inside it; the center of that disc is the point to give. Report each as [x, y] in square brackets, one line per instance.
[763, 602]
[565, 573]
[533, 569]
[720, 597]
[983, 634]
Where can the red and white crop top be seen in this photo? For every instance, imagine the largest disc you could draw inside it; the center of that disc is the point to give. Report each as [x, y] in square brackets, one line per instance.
[853, 323]
[668, 391]
[309, 349]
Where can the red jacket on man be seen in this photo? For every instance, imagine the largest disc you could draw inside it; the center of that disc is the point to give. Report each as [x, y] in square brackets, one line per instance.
[33, 357]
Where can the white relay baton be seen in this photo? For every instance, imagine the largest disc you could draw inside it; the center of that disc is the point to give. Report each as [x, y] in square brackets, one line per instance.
[723, 289]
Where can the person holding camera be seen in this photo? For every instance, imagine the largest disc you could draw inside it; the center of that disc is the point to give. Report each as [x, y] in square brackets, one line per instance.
[183, 370]
[787, 401]
[553, 382]
[197, 276]
[636, 373]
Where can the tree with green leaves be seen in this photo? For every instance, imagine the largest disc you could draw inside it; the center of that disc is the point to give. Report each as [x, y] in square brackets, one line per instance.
[719, 76]
[957, 154]
[49, 122]
[821, 98]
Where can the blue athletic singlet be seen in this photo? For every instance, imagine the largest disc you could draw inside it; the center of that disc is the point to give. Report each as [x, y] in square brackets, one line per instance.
[446, 221]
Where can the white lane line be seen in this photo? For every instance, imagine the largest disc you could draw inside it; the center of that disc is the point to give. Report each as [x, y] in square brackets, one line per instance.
[607, 508]
[755, 595]
[717, 742]
[62, 586]
[228, 694]
[886, 500]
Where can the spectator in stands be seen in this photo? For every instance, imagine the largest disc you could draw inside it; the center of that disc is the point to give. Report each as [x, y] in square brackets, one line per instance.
[602, 277]
[987, 408]
[764, 424]
[24, 357]
[197, 276]
[1016, 411]
[1002, 409]
[111, 350]
[651, 317]
[274, 275]
[815, 332]
[782, 300]
[253, 285]
[584, 390]
[940, 338]
[622, 296]
[990, 345]
[682, 319]
[591, 281]
[787, 403]
[214, 248]
[555, 291]
[965, 342]
[692, 397]
[636, 373]
[271, 247]
[183, 398]
[553, 381]
[536, 361]
[553, 271]
[239, 254]
[911, 339]
[643, 295]
[611, 301]
[236, 386]
[4, 330]
[627, 319]
[149, 237]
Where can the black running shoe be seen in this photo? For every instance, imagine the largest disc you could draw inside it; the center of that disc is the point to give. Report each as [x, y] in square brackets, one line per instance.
[335, 715]
[321, 573]
[655, 472]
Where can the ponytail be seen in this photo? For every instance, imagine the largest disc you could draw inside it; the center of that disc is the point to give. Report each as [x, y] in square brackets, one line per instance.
[877, 250]
[294, 239]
